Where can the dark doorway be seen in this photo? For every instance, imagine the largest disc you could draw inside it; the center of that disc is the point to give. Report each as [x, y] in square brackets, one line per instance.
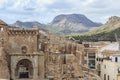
[24, 69]
[24, 75]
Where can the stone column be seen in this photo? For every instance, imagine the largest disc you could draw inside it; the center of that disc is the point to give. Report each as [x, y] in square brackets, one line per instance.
[13, 72]
[13, 61]
[35, 66]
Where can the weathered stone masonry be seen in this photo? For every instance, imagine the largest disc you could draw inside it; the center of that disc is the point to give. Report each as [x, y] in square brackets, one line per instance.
[36, 54]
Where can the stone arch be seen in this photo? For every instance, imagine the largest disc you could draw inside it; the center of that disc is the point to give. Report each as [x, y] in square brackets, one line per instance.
[24, 69]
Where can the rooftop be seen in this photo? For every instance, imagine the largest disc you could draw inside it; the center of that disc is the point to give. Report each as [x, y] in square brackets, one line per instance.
[111, 47]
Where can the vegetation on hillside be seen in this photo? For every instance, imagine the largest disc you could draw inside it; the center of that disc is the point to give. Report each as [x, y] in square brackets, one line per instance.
[104, 33]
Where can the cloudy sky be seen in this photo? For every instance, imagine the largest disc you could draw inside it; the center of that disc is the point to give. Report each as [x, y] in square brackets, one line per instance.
[45, 10]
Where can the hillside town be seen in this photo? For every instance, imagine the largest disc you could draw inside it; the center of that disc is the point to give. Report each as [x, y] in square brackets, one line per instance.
[37, 54]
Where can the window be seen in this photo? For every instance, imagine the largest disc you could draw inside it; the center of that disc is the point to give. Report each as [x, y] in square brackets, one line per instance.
[24, 49]
[116, 59]
[101, 59]
[99, 73]
[91, 64]
[91, 55]
[105, 66]
[104, 76]
[119, 70]
[108, 77]
[97, 59]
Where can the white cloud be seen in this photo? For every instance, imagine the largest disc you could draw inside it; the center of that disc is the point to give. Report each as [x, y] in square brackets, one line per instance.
[3, 3]
[46, 10]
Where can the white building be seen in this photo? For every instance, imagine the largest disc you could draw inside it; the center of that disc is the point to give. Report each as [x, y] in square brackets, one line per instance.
[108, 62]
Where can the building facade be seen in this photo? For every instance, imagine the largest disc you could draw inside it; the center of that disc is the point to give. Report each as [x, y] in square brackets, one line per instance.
[109, 62]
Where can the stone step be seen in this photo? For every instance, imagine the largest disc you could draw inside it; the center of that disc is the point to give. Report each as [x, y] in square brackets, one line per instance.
[31, 79]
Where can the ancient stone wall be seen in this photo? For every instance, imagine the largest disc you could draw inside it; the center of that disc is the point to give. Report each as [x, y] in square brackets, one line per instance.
[47, 52]
[4, 69]
[21, 40]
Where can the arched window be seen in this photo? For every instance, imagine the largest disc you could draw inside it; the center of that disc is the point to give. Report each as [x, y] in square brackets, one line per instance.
[24, 49]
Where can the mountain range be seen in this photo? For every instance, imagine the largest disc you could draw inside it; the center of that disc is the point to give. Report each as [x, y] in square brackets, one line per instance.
[63, 24]
[28, 24]
[72, 23]
[105, 32]
[79, 27]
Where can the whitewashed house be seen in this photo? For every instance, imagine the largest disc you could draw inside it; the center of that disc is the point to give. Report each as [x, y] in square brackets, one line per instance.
[108, 62]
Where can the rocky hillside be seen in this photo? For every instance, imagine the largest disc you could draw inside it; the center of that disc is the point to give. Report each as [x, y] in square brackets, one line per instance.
[105, 32]
[72, 23]
[29, 24]
[63, 24]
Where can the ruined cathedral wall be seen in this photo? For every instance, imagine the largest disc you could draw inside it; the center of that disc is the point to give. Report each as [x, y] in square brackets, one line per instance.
[4, 70]
[16, 42]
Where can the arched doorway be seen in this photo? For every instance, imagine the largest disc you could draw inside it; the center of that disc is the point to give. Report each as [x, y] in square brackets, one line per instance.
[24, 69]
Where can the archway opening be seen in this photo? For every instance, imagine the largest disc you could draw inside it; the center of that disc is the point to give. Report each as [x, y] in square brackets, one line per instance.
[24, 69]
